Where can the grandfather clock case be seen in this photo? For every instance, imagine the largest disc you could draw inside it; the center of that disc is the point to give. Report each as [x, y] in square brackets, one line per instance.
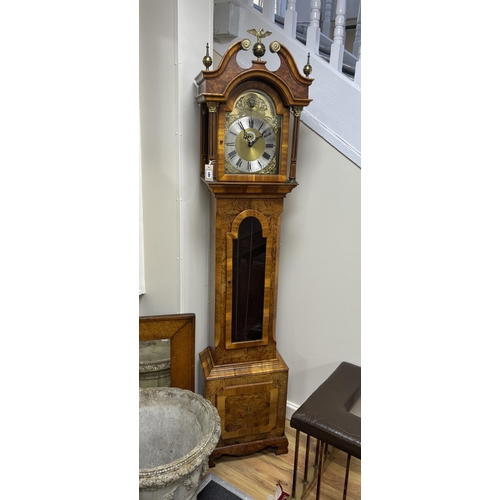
[249, 121]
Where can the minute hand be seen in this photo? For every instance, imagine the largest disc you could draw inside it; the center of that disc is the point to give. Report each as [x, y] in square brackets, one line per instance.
[251, 143]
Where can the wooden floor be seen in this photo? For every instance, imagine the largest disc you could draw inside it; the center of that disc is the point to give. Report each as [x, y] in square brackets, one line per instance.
[257, 474]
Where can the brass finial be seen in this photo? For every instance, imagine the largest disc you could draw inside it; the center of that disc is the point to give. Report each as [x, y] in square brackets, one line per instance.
[245, 44]
[274, 47]
[259, 49]
[307, 68]
[207, 60]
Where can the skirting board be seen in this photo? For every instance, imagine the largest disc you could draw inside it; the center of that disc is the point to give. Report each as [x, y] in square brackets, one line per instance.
[291, 408]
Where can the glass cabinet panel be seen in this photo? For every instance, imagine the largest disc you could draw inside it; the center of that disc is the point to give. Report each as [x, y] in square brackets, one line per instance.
[249, 270]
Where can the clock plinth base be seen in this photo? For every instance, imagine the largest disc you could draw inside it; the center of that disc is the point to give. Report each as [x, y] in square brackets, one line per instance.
[251, 400]
[280, 443]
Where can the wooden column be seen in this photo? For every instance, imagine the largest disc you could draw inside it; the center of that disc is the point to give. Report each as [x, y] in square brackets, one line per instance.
[212, 131]
[313, 31]
[203, 137]
[357, 50]
[337, 50]
[357, 74]
[290, 27]
[296, 110]
[327, 21]
[356, 47]
[268, 10]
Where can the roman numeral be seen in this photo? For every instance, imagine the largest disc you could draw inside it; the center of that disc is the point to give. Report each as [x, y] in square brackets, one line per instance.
[266, 155]
[232, 154]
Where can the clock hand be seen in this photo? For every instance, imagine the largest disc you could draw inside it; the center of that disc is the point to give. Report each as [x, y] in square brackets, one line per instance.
[245, 135]
[251, 143]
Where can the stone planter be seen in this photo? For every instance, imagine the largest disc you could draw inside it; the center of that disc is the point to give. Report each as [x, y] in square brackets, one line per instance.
[178, 430]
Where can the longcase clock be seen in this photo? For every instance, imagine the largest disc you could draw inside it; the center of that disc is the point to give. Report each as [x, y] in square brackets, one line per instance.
[249, 134]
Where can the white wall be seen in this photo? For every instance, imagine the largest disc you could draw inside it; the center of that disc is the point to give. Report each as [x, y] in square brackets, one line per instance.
[175, 204]
[319, 292]
[159, 159]
[319, 299]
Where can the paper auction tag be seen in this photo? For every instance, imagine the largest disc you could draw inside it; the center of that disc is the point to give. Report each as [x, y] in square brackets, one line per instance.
[209, 171]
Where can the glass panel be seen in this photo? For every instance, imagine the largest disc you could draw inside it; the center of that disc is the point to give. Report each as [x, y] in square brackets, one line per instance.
[249, 269]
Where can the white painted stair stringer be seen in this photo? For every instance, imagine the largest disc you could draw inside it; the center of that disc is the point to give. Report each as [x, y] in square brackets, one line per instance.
[335, 110]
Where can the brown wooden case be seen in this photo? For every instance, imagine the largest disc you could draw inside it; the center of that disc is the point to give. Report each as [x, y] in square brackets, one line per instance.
[246, 378]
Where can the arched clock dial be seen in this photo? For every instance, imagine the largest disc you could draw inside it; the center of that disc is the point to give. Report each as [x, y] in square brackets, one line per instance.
[250, 144]
[252, 136]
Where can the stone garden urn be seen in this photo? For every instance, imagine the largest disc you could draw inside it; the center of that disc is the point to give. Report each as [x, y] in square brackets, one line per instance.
[154, 363]
[178, 430]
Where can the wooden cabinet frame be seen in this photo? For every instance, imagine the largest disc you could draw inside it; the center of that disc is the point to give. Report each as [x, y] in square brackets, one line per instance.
[180, 329]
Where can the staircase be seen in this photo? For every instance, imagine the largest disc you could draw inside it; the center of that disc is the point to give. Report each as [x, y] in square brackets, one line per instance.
[335, 112]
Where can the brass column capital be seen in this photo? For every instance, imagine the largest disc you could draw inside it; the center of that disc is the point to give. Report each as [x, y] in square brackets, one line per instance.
[212, 107]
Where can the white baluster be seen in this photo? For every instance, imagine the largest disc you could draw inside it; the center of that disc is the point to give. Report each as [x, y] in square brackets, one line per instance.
[281, 8]
[268, 9]
[337, 52]
[356, 46]
[327, 21]
[313, 32]
[290, 27]
[357, 74]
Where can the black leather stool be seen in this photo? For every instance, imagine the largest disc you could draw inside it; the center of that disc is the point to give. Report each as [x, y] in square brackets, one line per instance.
[325, 416]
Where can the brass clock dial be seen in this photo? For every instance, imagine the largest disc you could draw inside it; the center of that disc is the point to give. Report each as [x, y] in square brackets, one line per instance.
[252, 135]
[250, 144]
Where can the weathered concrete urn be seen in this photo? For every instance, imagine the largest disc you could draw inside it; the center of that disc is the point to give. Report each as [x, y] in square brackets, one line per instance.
[154, 364]
[178, 430]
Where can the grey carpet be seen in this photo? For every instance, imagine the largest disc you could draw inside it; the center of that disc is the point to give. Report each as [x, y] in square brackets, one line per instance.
[214, 488]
